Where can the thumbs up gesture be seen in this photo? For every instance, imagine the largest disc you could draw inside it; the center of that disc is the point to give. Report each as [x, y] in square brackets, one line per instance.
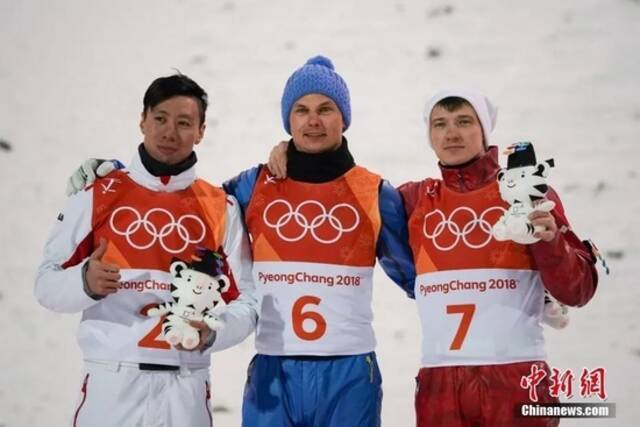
[102, 278]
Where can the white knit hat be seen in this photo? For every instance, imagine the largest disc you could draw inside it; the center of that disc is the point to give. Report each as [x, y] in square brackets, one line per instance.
[486, 112]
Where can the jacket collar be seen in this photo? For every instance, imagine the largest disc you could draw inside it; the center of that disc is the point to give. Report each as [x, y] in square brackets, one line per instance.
[319, 167]
[142, 176]
[474, 174]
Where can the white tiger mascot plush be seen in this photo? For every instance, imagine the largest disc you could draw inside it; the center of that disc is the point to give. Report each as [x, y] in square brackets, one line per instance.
[196, 290]
[523, 185]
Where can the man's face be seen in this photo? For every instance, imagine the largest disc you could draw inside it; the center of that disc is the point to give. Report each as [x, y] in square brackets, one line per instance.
[456, 136]
[171, 129]
[316, 124]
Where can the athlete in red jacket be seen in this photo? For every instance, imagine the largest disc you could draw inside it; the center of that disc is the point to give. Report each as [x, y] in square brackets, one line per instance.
[480, 300]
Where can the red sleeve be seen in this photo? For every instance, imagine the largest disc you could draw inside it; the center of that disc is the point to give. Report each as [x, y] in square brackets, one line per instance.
[409, 193]
[565, 264]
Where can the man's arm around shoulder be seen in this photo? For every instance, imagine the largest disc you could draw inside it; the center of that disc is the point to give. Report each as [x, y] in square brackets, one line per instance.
[392, 250]
[241, 186]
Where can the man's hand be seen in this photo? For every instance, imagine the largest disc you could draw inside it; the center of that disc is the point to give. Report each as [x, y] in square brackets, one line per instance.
[207, 336]
[102, 279]
[278, 160]
[546, 223]
[88, 171]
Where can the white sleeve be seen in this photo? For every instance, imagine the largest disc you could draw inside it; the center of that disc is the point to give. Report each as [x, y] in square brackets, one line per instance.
[240, 315]
[58, 288]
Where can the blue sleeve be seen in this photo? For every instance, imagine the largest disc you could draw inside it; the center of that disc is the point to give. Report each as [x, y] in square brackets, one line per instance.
[393, 251]
[241, 186]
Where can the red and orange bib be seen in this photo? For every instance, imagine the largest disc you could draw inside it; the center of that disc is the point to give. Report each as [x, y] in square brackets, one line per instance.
[145, 230]
[480, 300]
[314, 252]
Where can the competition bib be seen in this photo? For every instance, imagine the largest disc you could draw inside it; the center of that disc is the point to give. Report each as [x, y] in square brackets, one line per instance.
[316, 309]
[480, 300]
[314, 252]
[145, 231]
[480, 316]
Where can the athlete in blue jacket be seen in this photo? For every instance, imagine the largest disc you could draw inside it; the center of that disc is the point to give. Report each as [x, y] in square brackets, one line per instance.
[315, 237]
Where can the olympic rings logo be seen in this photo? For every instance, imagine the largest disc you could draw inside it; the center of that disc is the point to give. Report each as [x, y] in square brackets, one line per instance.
[458, 231]
[307, 226]
[158, 234]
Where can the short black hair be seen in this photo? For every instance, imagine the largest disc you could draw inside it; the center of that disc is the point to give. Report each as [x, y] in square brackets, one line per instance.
[164, 88]
[452, 103]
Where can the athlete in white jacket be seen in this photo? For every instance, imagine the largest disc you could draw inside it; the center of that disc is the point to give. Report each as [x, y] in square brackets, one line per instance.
[109, 256]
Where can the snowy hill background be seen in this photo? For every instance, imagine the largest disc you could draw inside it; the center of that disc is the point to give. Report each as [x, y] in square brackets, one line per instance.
[563, 74]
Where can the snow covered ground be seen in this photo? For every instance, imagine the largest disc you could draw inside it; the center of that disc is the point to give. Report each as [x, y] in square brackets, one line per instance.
[564, 75]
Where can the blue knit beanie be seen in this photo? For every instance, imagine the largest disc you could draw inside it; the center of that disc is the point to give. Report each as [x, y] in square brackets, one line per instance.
[316, 76]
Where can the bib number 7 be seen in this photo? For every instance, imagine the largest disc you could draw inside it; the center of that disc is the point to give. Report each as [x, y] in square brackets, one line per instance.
[298, 316]
[467, 311]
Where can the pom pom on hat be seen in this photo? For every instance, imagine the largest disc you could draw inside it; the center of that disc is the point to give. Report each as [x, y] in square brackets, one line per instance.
[321, 60]
[316, 76]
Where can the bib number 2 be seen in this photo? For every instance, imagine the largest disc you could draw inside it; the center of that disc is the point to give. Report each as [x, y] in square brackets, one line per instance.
[153, 338]
[315, 324]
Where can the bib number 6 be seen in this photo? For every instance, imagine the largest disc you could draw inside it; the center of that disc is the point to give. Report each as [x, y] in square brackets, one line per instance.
[299, 315]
